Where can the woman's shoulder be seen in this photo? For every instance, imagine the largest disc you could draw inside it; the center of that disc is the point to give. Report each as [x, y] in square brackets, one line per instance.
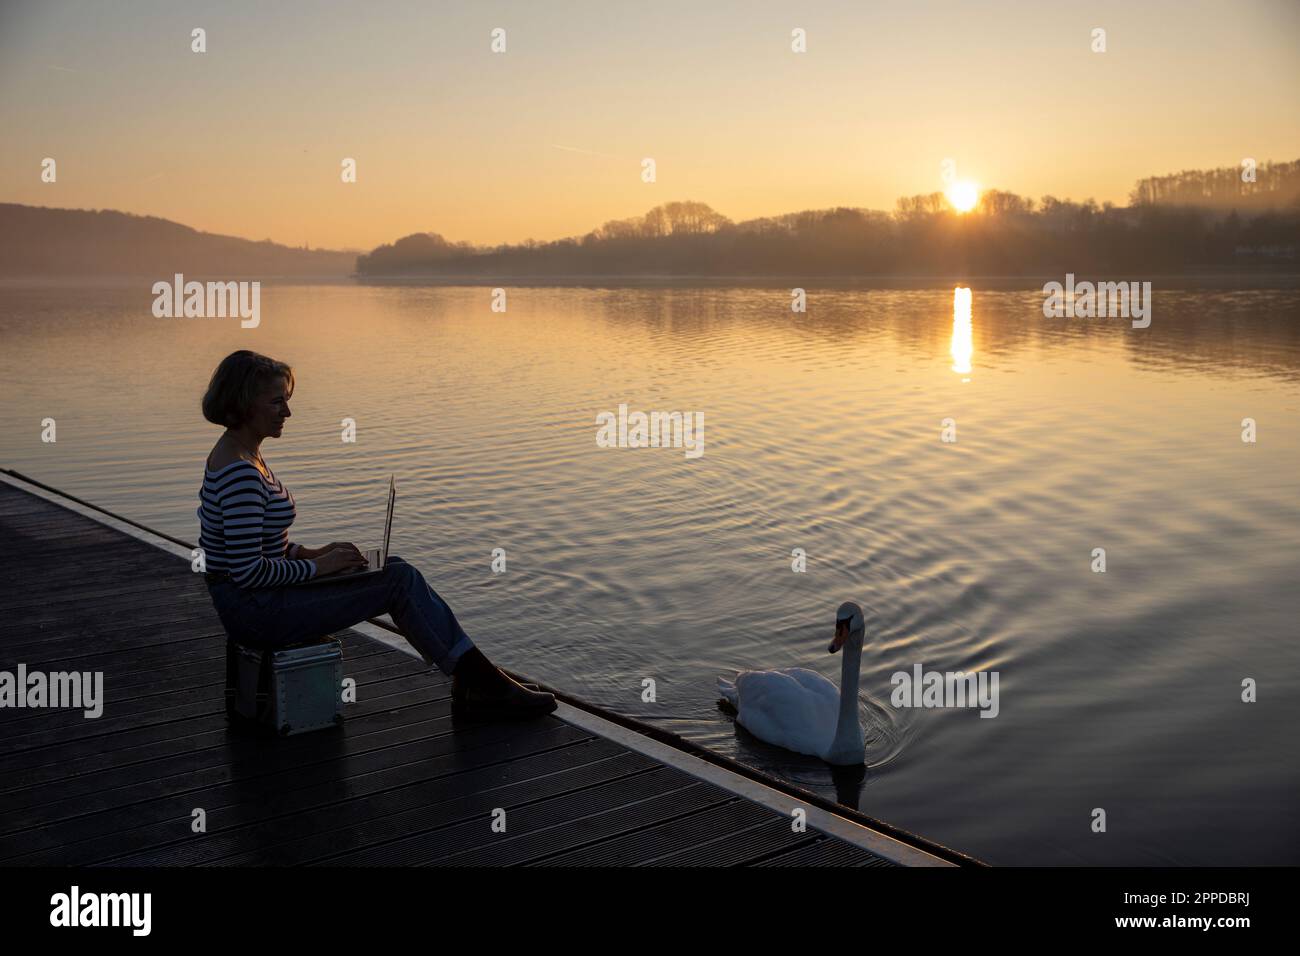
[225, 455]
[225, 467]
[220, 458]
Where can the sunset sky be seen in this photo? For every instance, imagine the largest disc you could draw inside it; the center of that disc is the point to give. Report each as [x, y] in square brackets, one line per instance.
[546, 140]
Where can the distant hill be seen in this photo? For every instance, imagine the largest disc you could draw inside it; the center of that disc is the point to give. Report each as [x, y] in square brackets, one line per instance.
[41, 241]
[422, 247]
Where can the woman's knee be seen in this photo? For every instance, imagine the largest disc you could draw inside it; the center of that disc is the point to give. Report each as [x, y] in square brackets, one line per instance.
[401, 570]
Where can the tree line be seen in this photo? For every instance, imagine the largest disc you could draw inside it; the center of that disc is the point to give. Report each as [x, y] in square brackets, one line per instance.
[1173, 224]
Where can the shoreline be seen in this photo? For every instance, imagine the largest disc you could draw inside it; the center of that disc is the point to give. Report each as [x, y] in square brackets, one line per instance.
[919, 282]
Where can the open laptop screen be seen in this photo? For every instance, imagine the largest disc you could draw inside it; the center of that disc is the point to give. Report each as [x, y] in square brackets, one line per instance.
[388, 521]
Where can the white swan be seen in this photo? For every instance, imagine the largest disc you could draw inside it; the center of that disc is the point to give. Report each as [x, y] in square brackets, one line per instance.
[801, 710]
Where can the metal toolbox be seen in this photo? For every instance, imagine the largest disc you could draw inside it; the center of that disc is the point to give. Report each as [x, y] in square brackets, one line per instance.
[289, 691]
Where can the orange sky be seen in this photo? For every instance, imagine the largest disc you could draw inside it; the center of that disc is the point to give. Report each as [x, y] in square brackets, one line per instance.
[546, 139]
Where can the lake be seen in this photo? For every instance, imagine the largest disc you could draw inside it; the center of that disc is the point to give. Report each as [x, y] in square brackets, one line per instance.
[823, 436]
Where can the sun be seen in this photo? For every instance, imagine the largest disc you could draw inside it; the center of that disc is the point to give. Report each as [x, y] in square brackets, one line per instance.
[964, 196]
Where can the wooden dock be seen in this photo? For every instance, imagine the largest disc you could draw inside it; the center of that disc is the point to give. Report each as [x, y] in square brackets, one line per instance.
[401, 783]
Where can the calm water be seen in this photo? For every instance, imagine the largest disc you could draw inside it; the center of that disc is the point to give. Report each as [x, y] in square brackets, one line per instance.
[1118, 690]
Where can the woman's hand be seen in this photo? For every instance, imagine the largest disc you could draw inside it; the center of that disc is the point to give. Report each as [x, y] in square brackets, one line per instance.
[345, 545]
[342, 558]
[313, 553]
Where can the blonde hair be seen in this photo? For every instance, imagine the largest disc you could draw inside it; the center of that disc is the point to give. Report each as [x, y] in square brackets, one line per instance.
[238, 382]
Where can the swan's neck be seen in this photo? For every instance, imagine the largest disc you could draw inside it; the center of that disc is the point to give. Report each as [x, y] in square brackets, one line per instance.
[848, 728]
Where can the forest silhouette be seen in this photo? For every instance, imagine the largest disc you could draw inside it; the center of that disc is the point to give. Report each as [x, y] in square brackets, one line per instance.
[1206, 221]
[1198, 220]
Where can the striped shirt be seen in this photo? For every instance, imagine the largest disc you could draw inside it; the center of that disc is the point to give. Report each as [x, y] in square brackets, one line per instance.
[244, 527]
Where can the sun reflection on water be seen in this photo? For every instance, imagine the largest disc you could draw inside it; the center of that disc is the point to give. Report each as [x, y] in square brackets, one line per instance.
[962, 348]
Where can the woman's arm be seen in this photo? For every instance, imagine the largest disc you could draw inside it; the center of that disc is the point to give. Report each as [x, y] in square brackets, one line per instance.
[243, 512]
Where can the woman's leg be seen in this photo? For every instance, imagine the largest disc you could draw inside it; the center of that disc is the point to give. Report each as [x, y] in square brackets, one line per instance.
[424, 618]
[301, 613]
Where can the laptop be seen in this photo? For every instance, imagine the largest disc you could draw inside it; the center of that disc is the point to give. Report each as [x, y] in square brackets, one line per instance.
[376, 558]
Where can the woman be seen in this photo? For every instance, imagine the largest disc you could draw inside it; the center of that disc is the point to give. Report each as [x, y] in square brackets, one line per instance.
[244, 516]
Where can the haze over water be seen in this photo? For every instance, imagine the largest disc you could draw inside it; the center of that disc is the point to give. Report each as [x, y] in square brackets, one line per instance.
[822, 432]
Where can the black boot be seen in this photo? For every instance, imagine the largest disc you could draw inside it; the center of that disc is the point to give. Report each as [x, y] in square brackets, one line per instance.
[480, 689]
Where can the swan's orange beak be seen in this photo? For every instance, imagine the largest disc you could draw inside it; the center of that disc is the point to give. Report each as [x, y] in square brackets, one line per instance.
[841, 635]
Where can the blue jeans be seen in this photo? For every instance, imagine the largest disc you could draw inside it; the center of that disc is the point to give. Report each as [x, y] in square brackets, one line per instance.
[276, 617]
